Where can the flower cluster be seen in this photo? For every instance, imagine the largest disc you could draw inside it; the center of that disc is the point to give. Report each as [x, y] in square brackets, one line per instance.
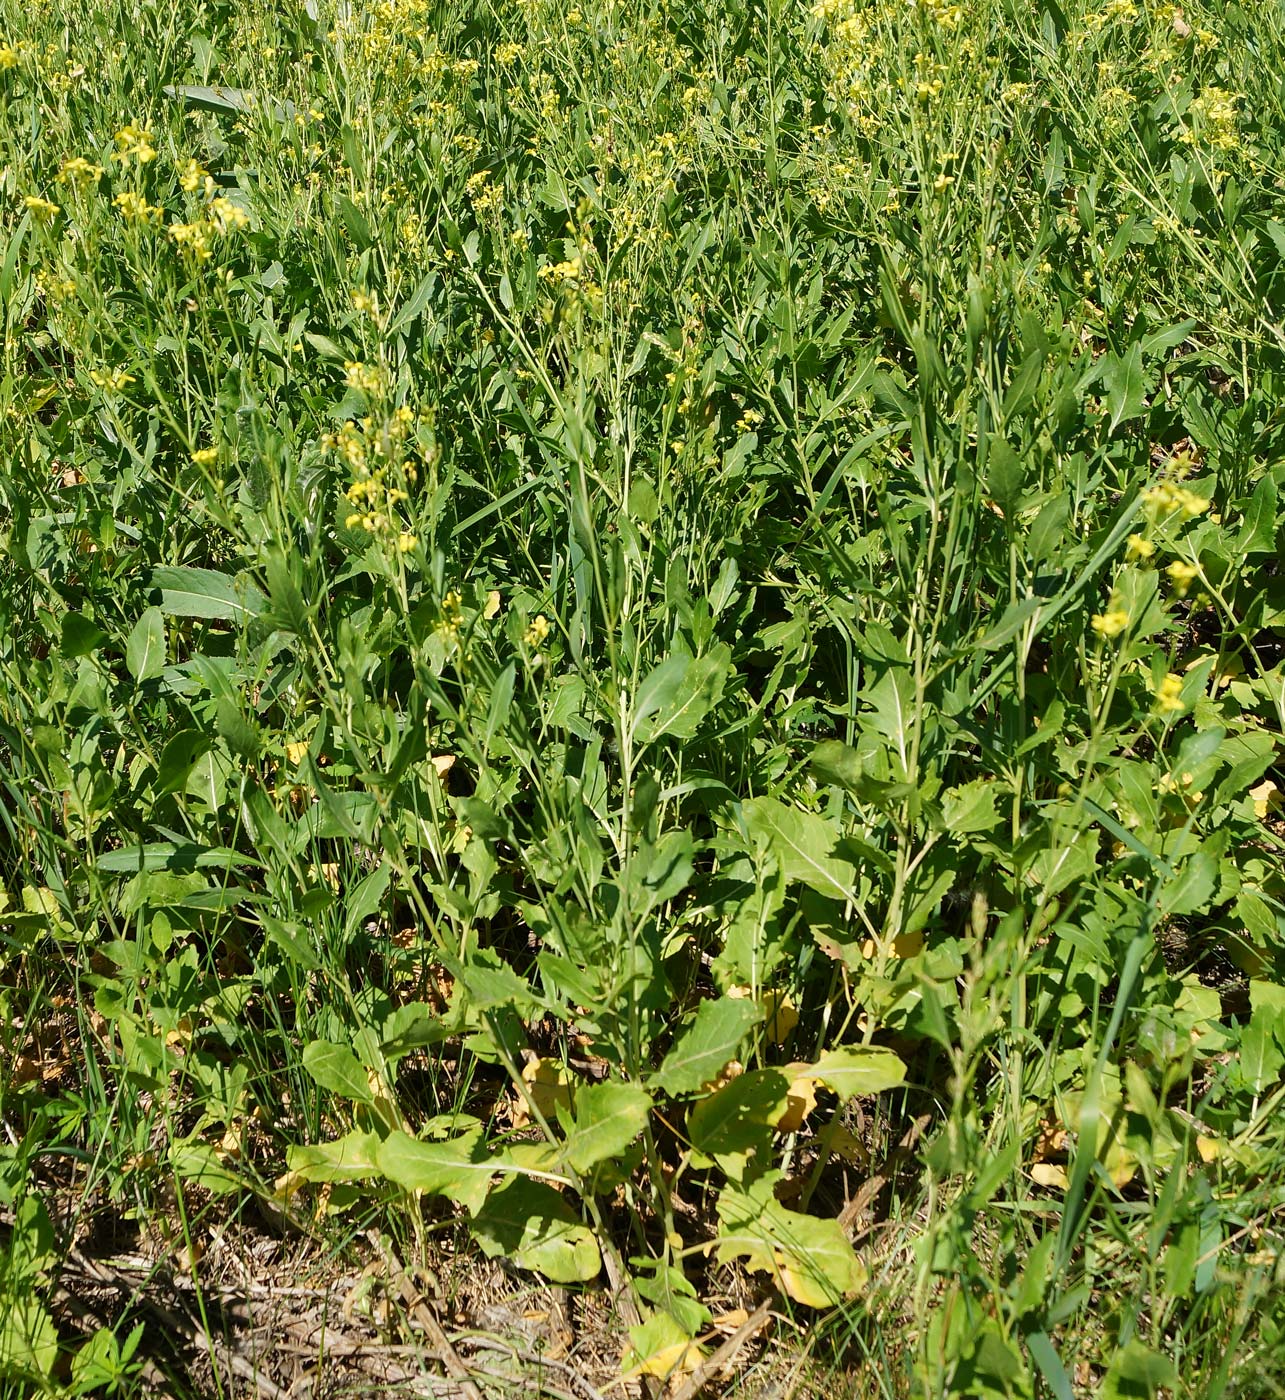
[1212, 120]
[1167, 497]
[112, 380]
[1111, 623]
[1169, 695]
[370, 380]
[135, 143]
[134, 207]
[79, 173]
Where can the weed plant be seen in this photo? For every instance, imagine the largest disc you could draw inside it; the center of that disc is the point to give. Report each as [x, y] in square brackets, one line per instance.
[606, 612]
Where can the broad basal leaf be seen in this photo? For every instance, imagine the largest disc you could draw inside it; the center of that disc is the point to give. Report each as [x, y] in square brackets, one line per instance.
[336, 1068]
[189, 592]
[608, 1117]
[349, 1158]
[459, 1169]
[858, 1069]
[702, 1051]
[740, 1116]
[533, 1226]
[660, 1347]
[811, 1259]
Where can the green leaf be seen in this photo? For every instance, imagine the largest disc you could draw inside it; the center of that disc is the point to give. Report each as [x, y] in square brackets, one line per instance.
[199, 1163]
[533, 1226]
[459, 1169]
[28, 1338]
[676, 696]
[167, 855]
[226, 101]
[1137, 1373]
[1005, 475]
[349, 1158]
[970, 808]
[740, 1116]
[1125, 386]
[859, 1069]
[661, 1347]
[79, 636]
[892, 698]
[811, 1259]
[703, 1049]
[492, 983]
[411, 1027]
[178, 756]
[1259, 529]
[1009, 624]
[145, 648]
[802, 842]
[188, 592]
[337, 1069]
[608, 1117]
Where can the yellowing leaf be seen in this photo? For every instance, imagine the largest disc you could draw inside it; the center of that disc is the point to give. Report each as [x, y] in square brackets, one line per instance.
[780, 1014]
[1265, 796]
[812, 1259]
[801, 1099]
[443, 763]
[1210, 1149]
[1050, 1174]
[548, 1086]
[660, 1348]
[492, 605]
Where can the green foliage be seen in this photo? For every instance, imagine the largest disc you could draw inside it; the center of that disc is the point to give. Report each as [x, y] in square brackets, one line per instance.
[594, 602]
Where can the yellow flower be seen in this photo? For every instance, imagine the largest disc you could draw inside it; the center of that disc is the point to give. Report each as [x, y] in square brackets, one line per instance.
[226, 216]
[1139, 547]
[1111, 623]
[79, 172]
[205, 456]
[367, 379]
[943, 182]
[41, 208]
[193, 177]
[8, 57]
[193, 238]
[113, 380]
[135, 143]
[537, 633]
[406, 542]
[1182, 575]
[1169, 695]
[1164, 498]
[133, 206]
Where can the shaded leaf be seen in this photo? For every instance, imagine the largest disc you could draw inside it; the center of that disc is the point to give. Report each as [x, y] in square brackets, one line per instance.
[533, 1226]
